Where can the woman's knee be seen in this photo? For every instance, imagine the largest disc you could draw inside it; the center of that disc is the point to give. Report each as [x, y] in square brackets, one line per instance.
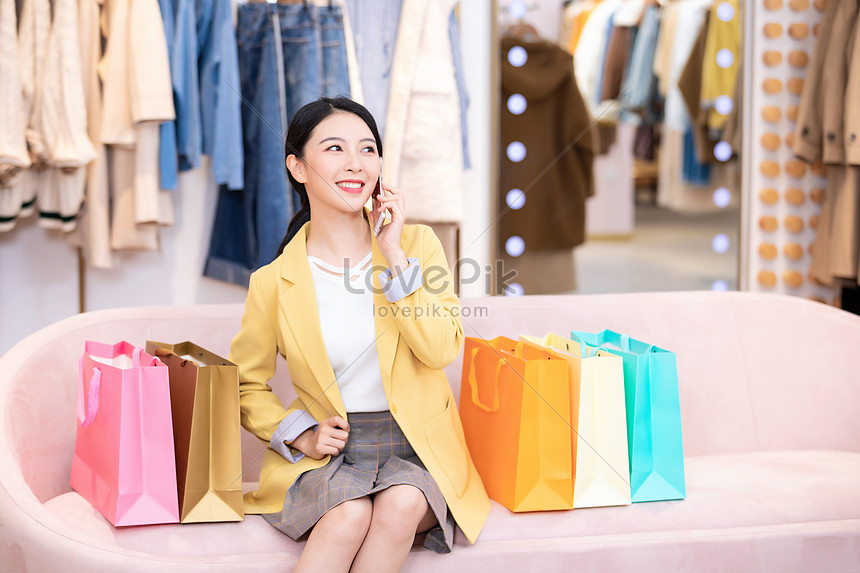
[400, 506]
[350, 519]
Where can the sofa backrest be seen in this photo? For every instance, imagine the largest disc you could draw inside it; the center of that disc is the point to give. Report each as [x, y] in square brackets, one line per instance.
[757, 372]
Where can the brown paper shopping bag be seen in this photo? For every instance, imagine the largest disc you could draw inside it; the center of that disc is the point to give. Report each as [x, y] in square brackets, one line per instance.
[204, 397]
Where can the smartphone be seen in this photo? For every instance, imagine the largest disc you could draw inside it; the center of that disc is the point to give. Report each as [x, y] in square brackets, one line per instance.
[381, 194]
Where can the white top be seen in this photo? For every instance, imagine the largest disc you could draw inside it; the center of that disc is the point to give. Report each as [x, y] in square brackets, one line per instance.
[349, 332]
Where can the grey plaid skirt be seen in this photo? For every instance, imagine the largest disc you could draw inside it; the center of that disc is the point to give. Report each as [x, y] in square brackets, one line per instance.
[377, 455]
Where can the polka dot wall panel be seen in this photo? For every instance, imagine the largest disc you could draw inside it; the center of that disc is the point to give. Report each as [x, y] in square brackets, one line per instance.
[785, 193]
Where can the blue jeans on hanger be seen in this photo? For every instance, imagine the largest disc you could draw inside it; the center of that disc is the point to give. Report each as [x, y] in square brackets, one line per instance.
[280, 71]
[374, 29]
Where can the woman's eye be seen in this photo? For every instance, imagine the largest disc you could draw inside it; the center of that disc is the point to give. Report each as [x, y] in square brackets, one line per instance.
[370, 149]
[333, 147]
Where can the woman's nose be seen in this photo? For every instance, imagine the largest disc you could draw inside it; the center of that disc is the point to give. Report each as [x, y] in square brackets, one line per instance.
[353, 162]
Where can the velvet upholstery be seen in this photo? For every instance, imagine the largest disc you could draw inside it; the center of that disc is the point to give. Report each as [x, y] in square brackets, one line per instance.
[769, 400]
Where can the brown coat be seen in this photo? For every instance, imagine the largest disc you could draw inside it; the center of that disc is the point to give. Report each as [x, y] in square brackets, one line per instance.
[690, 86]
[833, 81]
[809, 137]
[852, 102]
[560, 140]
[828, 128]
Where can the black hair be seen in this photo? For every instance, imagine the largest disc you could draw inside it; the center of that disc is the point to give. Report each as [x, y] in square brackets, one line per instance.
[298, 134]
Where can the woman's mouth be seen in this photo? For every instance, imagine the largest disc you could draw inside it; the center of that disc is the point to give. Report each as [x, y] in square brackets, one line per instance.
[351, 186]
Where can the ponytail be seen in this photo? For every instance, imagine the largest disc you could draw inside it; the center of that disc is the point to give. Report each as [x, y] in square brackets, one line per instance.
[299, 219]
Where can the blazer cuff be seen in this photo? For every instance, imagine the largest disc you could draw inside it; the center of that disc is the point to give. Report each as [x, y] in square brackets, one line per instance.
[288, 430]
[404, 284]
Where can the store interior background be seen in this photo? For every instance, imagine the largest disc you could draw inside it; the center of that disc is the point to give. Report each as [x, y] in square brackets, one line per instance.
[631, 245]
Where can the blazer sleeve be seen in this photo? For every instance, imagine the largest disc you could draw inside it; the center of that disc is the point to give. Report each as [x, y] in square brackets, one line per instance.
[428, 318]
[255, 350]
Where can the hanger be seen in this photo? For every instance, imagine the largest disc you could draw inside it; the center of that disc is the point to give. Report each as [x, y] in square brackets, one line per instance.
[522, 31]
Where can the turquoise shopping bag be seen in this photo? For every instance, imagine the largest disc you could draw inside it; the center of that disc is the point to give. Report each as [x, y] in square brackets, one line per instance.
[655, 447]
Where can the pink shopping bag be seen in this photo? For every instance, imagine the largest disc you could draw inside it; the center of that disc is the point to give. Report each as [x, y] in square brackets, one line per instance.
[124, 463]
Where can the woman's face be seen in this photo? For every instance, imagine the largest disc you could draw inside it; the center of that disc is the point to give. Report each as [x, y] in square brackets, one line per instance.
[341, 163]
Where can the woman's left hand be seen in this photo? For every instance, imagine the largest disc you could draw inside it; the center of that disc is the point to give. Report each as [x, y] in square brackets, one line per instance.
[389, 235]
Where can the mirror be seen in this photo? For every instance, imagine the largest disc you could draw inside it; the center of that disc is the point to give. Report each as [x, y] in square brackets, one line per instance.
[617, 162]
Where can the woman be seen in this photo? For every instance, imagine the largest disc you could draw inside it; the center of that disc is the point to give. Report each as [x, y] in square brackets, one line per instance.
[371, 452]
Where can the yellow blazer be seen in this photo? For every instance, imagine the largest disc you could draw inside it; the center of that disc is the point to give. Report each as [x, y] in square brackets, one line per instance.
[417, 337]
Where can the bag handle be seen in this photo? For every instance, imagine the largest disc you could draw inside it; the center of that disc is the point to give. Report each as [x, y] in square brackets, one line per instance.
[87, 414]
[135, 358]
[164, 353]
[473, 383]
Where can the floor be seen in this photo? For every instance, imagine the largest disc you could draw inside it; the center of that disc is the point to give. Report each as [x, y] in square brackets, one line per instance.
[668, 252]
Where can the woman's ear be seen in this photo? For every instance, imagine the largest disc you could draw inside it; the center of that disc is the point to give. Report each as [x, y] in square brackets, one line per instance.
[297, 168]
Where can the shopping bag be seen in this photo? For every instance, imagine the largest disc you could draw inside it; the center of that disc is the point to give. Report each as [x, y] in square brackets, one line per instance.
[515, 410]
[599, 421]
[123, 461]
[655, 444]
[204, 398]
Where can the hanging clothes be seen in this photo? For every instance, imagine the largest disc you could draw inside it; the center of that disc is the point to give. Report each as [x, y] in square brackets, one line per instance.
[556, 130]
[828, 128]
[19, 200]
[720, 62]
[690, 86]
[220, 100]
[94, 230]
[54, 114]
[685, 184]
[575, 16]
[168, 160]
[424, 108]
[588, 61]
[374, 26]
[13, 142]
[137, 96]
[311, 61]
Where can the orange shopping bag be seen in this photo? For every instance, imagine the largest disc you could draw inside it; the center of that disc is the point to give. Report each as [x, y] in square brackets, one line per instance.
[515, 409]
[601, 467]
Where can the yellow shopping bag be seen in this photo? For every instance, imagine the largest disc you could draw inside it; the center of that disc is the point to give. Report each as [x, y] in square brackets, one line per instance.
[515, 409]
[598, 413]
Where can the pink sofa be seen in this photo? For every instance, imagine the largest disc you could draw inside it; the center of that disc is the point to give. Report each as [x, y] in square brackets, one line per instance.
[770, 399]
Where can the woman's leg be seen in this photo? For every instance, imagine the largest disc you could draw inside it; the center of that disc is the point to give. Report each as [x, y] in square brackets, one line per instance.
[399, 512]
[336, 537]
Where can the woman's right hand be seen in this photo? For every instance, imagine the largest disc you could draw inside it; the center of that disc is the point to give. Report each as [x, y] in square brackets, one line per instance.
[328, 439]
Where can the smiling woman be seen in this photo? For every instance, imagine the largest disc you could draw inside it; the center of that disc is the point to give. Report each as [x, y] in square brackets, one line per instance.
[349, 469]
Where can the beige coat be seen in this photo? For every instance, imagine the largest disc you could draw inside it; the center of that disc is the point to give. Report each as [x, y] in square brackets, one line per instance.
[423, 142]
[809, 130]
[852, 97]
[137, 96]
[828, 129]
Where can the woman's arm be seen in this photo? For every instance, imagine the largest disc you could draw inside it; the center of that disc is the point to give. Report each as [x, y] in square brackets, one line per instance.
[423, 304]
[255, 350]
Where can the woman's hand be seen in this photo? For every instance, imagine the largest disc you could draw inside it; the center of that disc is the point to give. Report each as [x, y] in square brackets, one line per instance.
[328, 439]
[389, 236]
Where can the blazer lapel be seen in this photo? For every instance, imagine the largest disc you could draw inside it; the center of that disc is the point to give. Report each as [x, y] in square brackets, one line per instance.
[299, 306]
[387, 334]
